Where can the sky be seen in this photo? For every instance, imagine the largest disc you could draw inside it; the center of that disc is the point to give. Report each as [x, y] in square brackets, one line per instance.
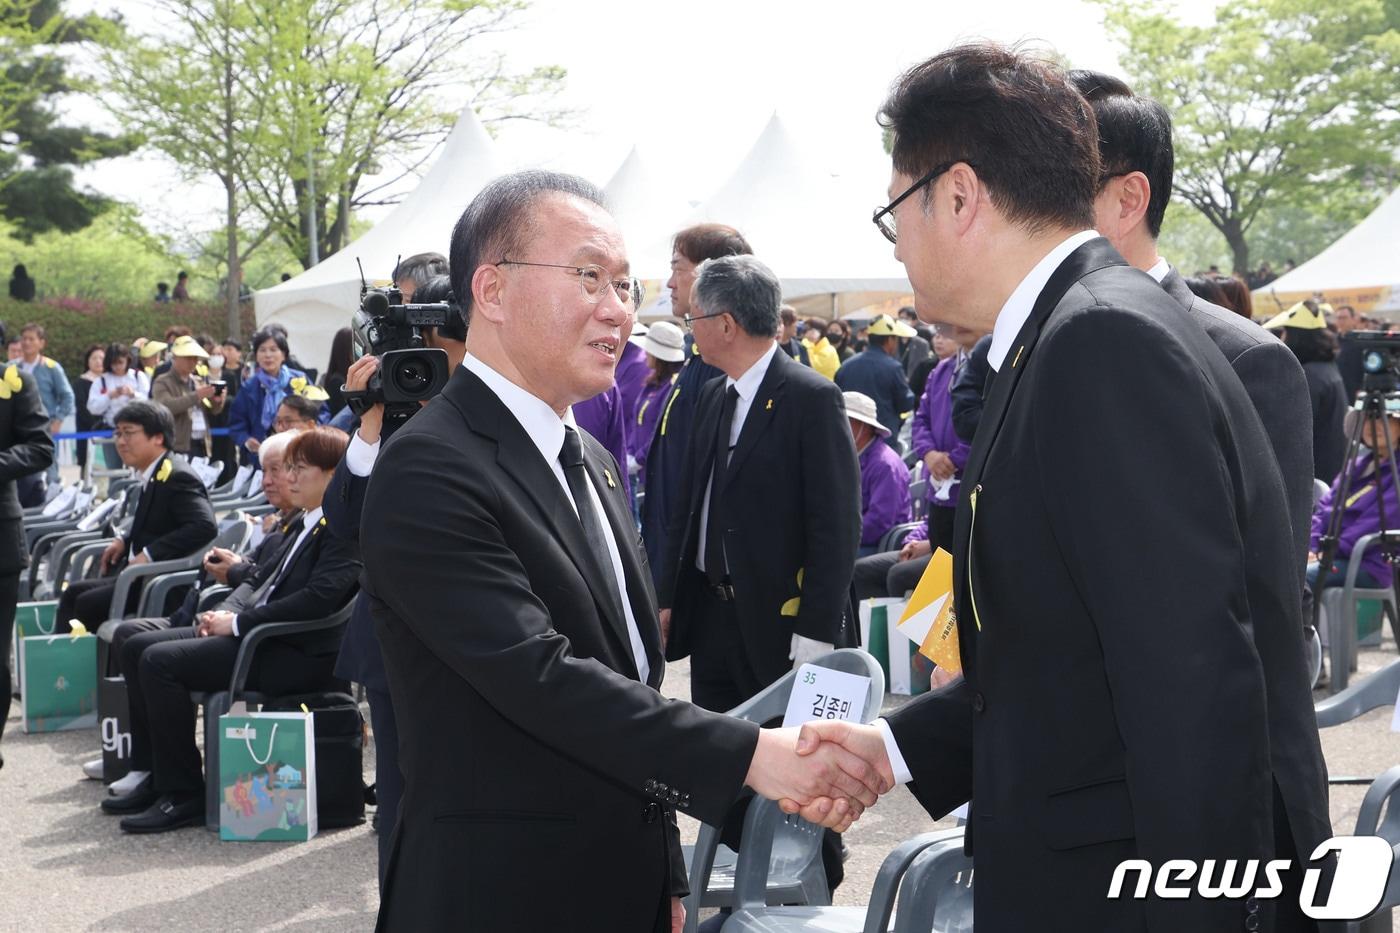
[692, 84]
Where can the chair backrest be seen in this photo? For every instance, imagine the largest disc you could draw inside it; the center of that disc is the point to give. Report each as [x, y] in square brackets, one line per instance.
[771, 702]
[936, 895]
[894, 538]
[1319, 490]
[1380, 816]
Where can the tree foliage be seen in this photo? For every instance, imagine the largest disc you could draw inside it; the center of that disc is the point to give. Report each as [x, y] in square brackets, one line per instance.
[1275, 103]
[38, 148]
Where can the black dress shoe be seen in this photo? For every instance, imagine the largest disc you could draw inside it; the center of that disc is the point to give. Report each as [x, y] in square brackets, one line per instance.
[139, 799]
[169, 812]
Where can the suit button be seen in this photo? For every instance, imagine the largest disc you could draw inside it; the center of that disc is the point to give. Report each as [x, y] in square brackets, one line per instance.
[1251, 904]
[1251, 923]
[979, 703]
[651, 813]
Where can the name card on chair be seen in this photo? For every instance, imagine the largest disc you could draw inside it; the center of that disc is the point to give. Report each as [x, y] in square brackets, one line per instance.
[821, 693]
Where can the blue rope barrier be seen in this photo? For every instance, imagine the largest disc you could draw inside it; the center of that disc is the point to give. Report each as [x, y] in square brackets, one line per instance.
[90, 435]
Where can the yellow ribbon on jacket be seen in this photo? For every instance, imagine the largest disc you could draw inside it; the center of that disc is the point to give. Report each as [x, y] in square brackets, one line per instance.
[11, 383]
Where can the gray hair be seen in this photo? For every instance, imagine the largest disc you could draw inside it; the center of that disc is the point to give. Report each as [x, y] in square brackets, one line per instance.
[743, 287]
[497, 223]
[420, 268]
[275, 445]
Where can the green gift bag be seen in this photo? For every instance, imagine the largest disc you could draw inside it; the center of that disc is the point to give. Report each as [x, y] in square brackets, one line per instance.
[58, 682]
[267, 777]
[31, 619]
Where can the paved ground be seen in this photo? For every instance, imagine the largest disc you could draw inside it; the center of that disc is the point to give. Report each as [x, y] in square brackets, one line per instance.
[65, 866]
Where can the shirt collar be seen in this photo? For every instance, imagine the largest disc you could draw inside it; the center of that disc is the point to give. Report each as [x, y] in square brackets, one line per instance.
[150, 471]
[544, 427]
[309, 520]
[1018, 307]
[1160, 269]
[747, 384]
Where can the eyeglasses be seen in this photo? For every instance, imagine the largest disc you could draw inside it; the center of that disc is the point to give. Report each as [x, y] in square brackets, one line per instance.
[592, 279]
[287, 424]
[690, 319]
[122, 434]
[884, 216]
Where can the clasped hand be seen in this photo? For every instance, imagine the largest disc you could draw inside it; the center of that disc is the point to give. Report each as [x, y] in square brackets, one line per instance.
[828, 772]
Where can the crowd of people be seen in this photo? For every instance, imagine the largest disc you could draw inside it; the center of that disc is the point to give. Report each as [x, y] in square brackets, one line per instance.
[590, 498]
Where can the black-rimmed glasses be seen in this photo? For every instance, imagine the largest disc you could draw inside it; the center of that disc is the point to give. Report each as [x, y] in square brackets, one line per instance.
[690, 319]
[592, 279]
[884, 216]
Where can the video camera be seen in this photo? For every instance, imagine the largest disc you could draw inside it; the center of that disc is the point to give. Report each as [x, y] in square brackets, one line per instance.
[409, 373]
[1380, 360]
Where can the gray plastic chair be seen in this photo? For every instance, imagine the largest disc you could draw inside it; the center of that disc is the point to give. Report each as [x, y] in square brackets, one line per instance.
[1339, 611]
[1380, 816]
[800, 875]
[915, 865]
[894, 538]
[1373, 692]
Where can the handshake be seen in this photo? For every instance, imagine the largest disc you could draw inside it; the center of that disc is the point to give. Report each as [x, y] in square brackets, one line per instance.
[828, 771]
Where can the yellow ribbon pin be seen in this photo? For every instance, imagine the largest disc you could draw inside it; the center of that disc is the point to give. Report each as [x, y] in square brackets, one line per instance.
[769, 406]
[164, 472]
[790, 607]
[12, 383]
[607, 474]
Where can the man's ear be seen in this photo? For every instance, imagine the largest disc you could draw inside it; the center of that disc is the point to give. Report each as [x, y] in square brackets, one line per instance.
[962, 194]
[488, 287]
[1135, 194]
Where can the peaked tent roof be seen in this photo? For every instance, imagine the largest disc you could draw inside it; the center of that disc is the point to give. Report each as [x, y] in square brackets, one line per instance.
[1361, 269]
[647, 212]
[811, 228]
[321, 300]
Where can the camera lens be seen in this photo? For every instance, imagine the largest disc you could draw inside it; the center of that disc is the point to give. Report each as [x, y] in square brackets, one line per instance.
[1373, 362]
[413, 378]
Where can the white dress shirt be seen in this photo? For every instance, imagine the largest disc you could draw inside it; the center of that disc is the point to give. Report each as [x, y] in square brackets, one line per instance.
[1160, 269]
[309, 521]
[747, 387]
[146, 475]
[1010, 320]
[360, 455]
[546, 431]
[1018, 307]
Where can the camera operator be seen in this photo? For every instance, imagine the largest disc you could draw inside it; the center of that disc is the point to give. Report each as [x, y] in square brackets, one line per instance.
[416, 271]
[1371, 483]
[360, 659]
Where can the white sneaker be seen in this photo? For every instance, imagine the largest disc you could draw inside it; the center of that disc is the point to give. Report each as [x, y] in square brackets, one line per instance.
[128, 784]
[93, 769]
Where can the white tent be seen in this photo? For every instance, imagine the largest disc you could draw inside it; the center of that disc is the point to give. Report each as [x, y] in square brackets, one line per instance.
[321, 300]
[648, 213]
[813, 229]
[1361, 269]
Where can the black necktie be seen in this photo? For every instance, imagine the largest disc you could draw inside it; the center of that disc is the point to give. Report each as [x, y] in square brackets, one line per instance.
[284, 556]
[571, 457]
[715, 567]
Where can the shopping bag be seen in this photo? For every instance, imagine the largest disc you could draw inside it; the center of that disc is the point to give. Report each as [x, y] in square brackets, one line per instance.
[114, 725]
[58, 682]
[906, 671]
[267, 777]
[30, 619]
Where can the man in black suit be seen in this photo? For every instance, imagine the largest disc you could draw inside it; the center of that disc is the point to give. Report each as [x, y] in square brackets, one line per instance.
[755, 576]
[542, 768]
[173, 516]
[312, 576]
[1123, 528]
[25, 450]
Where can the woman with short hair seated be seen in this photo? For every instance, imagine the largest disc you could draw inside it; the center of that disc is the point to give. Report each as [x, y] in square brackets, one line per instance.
[314, 575]
[1370, 483]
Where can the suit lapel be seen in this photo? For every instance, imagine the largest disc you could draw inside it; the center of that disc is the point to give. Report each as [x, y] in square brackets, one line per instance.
[638, 595]
[521, 460]
[1091, 256]
[143, 501]
[760, 411]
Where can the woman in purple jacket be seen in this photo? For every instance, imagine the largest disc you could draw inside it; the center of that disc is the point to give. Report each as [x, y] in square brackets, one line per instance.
[942, 452]
[665, 354]
[1361, 514]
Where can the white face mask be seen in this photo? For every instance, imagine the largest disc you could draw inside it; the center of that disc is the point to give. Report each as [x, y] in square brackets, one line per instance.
[216, 363]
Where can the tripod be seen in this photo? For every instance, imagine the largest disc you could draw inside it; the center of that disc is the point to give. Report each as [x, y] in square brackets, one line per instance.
[1378, 390]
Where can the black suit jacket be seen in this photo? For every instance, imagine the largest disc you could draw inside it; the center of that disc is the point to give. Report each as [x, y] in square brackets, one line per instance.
[969, 389]
[238, 574]
[173, 516]
[360, 658]
[539, 772]
[25, 449]
[322, 576]
[795, 438]
[1124, 532]
[1274, 379]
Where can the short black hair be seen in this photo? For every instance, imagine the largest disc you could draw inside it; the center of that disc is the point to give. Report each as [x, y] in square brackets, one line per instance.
[439, 289]
[276, 335]
[1135, 135]
[152, 418]
[1028, 134]
[305, 408]
[420, 267]
[230, 342]
[500, 218]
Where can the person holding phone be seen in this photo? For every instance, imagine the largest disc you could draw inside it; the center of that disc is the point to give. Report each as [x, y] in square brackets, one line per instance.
[189, 396]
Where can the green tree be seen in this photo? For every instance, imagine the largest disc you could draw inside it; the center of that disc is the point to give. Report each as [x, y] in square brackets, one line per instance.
[38, 148]
[1275, 103]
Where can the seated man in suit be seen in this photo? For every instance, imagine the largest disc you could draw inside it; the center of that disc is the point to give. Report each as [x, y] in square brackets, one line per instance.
[173, 516]
[312, 576]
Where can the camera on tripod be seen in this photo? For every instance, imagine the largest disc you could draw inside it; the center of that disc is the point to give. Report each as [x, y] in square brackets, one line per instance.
[1380, 360]
[409, 372]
